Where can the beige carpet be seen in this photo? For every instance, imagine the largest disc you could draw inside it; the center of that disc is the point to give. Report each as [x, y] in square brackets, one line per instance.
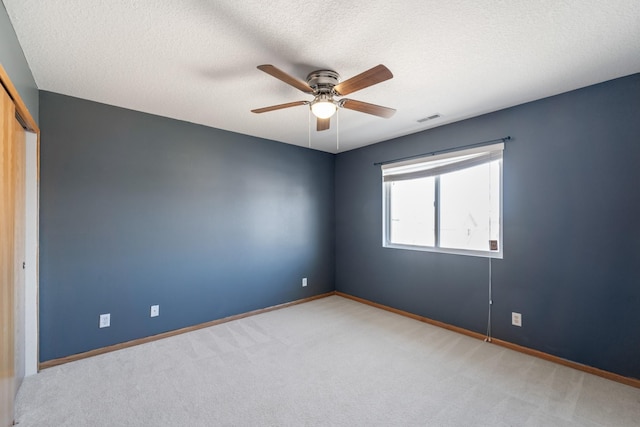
[331, 362]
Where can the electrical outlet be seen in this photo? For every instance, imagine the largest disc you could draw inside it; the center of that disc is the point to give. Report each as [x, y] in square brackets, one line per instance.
[304, 282]
[155, 310]
[105, 320]
[516, 319]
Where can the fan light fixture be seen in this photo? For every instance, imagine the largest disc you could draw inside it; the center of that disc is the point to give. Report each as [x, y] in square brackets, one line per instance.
[323, 107]
[324, 85]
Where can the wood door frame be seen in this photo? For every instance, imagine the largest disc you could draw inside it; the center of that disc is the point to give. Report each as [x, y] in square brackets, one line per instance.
[32, 128]
[21, 108]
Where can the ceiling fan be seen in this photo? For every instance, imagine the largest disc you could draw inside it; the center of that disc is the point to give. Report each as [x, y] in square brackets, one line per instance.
[325, 86]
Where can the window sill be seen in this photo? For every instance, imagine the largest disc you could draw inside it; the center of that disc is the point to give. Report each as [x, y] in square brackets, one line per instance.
[465, 252]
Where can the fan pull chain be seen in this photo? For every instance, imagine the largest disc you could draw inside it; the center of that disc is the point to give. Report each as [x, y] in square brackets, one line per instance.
[337, 130]
[309, 128]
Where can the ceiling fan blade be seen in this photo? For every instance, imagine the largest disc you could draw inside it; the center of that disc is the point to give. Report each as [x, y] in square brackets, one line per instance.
[323, 124]
[375, 75]
[365, 107]
[279, 107]
[281, 75]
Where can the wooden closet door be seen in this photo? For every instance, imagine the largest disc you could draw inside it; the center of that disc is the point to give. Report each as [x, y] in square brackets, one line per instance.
[7, 260]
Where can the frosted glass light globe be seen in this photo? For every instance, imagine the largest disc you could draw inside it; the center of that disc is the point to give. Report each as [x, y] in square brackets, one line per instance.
[323, 109]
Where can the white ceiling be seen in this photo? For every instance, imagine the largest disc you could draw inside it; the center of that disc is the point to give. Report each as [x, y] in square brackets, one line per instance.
[195, 60]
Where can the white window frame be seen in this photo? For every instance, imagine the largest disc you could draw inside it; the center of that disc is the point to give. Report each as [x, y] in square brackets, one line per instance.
[436, 165]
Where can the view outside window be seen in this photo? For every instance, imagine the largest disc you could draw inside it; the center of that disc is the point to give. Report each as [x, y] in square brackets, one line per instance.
[413, 212]
[469, 207]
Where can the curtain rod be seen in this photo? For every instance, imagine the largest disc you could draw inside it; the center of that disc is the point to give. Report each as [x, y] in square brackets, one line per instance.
[432, 153]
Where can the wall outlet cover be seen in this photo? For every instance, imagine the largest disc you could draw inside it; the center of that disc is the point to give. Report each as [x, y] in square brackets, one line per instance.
[516, 319]
[304, 281]
[155, 310]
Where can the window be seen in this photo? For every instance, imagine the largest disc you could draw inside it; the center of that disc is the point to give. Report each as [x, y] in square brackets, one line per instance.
[449, 202]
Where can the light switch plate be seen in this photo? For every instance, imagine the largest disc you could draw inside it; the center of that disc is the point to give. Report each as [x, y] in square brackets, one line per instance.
[105, 320]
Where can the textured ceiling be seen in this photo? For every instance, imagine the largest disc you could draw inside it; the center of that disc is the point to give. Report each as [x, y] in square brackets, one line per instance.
[195, 60]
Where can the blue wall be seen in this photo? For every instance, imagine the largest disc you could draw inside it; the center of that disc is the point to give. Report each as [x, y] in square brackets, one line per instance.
[13, 61]
[137, 210]
[571, 229]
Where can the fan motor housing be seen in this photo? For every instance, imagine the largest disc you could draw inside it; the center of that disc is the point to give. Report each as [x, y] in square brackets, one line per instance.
[323, 81]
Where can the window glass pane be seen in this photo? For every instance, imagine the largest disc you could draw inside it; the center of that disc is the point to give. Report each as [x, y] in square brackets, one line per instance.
[412, 212]
[469, 207]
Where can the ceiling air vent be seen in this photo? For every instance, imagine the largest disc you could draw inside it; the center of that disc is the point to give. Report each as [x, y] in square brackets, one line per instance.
[435, 116]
